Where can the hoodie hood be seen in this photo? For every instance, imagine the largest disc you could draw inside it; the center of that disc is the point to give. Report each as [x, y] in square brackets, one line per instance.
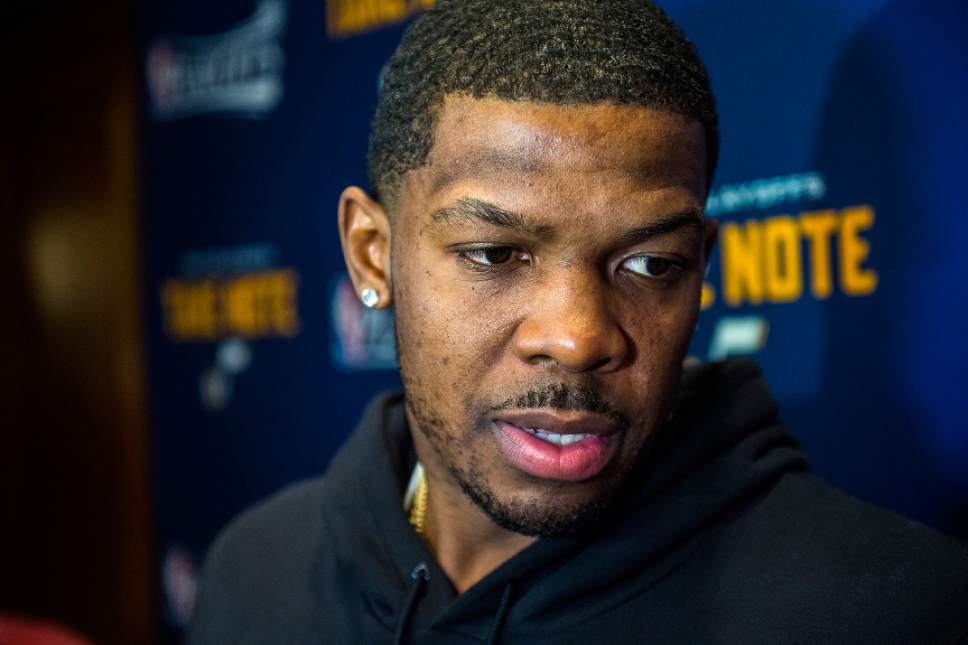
[721, 448]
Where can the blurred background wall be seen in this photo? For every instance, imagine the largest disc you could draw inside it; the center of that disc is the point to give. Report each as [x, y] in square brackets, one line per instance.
[168, 181]
[76, 536]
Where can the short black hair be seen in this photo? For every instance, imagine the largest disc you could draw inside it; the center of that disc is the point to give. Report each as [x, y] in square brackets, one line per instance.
[565, 52]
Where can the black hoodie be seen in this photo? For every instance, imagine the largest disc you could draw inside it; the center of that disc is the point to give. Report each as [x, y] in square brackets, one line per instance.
[726, 539]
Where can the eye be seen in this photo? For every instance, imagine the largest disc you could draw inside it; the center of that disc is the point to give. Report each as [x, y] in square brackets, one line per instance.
[652, 266]
[493, 255]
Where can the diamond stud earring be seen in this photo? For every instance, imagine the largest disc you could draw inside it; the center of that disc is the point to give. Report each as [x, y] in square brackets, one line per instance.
[369, 297]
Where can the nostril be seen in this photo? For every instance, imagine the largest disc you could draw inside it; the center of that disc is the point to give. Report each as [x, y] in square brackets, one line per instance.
[569, 363]
[600, 364]
[577, 366]
[541, 359]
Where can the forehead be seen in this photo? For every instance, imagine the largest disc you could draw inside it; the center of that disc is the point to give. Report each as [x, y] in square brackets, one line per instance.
[481, 138]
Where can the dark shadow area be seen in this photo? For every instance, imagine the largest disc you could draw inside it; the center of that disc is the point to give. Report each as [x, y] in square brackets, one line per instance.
[76, 536]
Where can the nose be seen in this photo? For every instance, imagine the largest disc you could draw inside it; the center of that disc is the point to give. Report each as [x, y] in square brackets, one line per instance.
[569, 324]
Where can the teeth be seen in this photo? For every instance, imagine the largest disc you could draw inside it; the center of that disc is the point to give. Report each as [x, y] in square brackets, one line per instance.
[557, 439]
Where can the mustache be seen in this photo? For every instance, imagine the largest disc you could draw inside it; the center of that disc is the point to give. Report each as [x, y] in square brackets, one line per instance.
[559, 396]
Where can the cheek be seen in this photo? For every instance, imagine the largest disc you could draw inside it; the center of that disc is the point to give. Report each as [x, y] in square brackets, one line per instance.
[447, 335]
[660, 332]
[455, 318]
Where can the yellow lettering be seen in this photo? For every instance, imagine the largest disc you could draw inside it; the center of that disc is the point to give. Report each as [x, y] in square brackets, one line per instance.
[352, 16]
[345, 17]
[253, 305]
[742, 275]
[376, 13]
[817, 227]
[285, 310]
[369, 14]
[239, 307]
[708, 296]
[262, 304]
[781, 259]
[189, 309]
[394, 10]
[334, 17]
[854, 279]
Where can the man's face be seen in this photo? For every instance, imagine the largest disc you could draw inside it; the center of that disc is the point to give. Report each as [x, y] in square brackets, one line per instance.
[547, 263]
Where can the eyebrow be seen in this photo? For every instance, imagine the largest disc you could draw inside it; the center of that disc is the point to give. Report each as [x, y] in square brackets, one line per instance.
[690, 218]
[469, 210]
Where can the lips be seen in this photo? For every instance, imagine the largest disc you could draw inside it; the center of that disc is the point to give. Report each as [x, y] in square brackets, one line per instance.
[572, 447]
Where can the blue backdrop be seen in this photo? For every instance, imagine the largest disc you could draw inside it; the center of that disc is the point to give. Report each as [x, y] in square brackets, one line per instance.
[840, 192]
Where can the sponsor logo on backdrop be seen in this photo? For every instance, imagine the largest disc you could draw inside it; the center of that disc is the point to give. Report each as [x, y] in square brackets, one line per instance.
[766, 193]
[233, 292]
[784, 258]
[230, 297]
[238, 72]
[363, 339]
[738, 336]
[349, 17]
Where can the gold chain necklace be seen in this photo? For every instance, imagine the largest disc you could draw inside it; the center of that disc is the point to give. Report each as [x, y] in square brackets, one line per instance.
[418, 510]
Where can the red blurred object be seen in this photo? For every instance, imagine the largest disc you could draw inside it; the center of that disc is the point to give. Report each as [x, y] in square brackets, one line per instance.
[21, 631]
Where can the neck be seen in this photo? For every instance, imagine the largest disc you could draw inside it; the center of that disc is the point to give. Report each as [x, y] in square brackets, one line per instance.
[466, 543]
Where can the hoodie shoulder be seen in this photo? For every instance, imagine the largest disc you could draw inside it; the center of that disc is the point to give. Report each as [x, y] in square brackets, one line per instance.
[864, 540]
[258, 573]
[808, 550]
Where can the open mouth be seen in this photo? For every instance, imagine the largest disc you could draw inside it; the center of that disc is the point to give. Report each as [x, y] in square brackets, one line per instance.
[555, 438]
[572, 447]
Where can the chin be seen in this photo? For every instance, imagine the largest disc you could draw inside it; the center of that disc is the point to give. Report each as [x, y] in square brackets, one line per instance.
[542, 514]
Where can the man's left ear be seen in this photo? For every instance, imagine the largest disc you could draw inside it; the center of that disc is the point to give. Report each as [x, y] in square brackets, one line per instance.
[364, 232]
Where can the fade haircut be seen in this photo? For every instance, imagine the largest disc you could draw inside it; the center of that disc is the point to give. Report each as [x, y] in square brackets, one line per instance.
[564, 52]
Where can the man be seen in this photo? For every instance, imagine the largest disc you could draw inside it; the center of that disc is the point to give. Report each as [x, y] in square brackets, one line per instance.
[552, 474]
